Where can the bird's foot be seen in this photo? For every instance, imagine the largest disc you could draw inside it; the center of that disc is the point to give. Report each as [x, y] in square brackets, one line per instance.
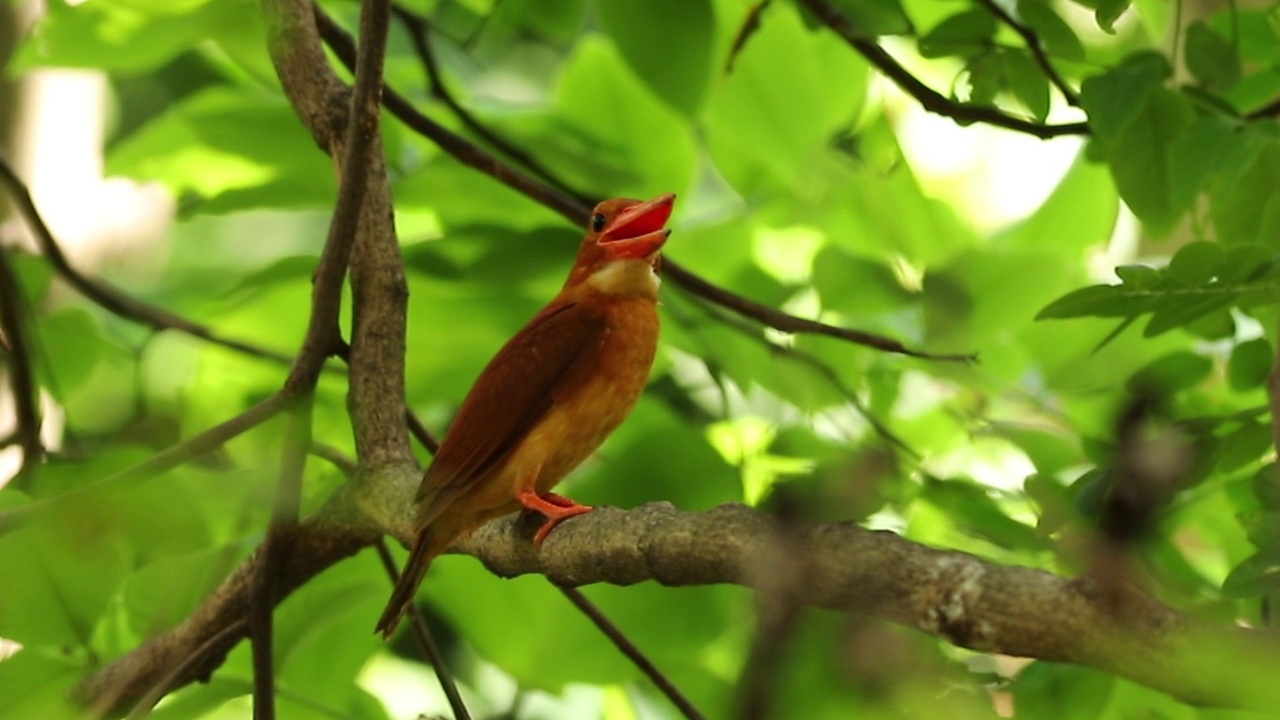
[555, 507]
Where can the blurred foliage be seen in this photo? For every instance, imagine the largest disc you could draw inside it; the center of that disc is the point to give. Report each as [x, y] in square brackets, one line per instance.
[797, 188]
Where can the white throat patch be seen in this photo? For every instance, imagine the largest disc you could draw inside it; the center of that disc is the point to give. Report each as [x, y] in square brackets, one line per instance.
[626, 277]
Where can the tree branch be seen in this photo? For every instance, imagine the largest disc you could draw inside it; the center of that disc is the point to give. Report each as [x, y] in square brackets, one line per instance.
[929, 98]
[952, 595]
[26, 394]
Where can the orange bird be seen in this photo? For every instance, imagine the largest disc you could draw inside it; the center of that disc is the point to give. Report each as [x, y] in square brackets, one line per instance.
[550, 396]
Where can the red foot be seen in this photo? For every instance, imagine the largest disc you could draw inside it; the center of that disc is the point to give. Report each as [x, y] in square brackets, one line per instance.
[555, 507]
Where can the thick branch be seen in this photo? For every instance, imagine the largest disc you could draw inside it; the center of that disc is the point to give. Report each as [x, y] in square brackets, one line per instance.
[952, 595]
[363, 229]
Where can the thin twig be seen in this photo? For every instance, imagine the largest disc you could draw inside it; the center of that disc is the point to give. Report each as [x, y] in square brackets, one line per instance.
[829, 374]
[420, 36]
[284, 519]
[1036, 48]
[633, 653]
[420, 432]
[750, 25]
[930, 99]
[108, 296]
[335, 457]
[26, 395]
[1269, 110]
[784, 322]
[167, 459]
[428, 645]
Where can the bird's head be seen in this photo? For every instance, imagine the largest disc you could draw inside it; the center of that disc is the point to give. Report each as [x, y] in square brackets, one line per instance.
[623, 242]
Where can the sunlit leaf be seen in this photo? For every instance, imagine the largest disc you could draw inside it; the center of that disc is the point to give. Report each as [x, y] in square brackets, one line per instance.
[1250, 364]
[964, 33]
[673, 56]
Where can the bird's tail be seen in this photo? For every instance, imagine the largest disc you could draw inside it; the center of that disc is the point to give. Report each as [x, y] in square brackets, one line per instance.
[426, 547]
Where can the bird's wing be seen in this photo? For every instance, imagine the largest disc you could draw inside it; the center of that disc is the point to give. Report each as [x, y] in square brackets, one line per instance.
[515, 390]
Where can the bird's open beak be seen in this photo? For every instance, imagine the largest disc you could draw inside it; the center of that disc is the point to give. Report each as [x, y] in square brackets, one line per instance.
[638, 231]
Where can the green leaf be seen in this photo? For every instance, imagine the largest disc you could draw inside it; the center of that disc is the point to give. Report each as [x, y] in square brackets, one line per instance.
[752, 129]
[129, 37]
[1115, 99]
[873, 18]
[985, 75]
[234, 148]
[35, 275]
[1255, 31]
[1196, 156]
[965, 33]
[635, 147]
[72, 345]
[1055, 34]
[1197, 263]
[290, 268]
[1140, 161]
[1027, 81]
[1250, 364]
[855, 285]
[1170, 374]
[1138, 277]
[1243, 446]
[667, 43]
[40, 684]
[972, 509]
[1108, 12]
[1265, 485]
[1246, 262]
[1095, 301]
[1211, 57]
[1175, 311]
[1243, 204]
[1256, 575]
[1052, 691]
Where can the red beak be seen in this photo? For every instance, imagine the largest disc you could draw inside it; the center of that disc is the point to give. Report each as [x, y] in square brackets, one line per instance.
[638, 231]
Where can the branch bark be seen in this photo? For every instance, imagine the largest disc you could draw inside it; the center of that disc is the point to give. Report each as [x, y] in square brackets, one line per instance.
[951, 595]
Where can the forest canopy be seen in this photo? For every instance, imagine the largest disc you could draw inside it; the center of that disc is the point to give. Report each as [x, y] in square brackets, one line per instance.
[963, 403]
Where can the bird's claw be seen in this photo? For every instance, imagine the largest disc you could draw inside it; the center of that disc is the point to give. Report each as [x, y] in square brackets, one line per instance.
[555, 508]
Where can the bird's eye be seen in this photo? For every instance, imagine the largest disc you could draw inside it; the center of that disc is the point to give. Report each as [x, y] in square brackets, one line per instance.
[597, 222]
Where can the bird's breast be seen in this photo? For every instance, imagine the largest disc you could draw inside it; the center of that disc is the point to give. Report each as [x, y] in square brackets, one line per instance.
[581, 417]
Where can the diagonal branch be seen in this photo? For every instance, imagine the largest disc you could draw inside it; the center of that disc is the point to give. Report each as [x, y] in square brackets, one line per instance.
[108, 296]
[184, 452]
[951, 595]
[930, 99]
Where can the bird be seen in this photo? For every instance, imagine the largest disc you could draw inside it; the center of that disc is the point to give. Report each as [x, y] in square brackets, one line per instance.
[550, 396]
